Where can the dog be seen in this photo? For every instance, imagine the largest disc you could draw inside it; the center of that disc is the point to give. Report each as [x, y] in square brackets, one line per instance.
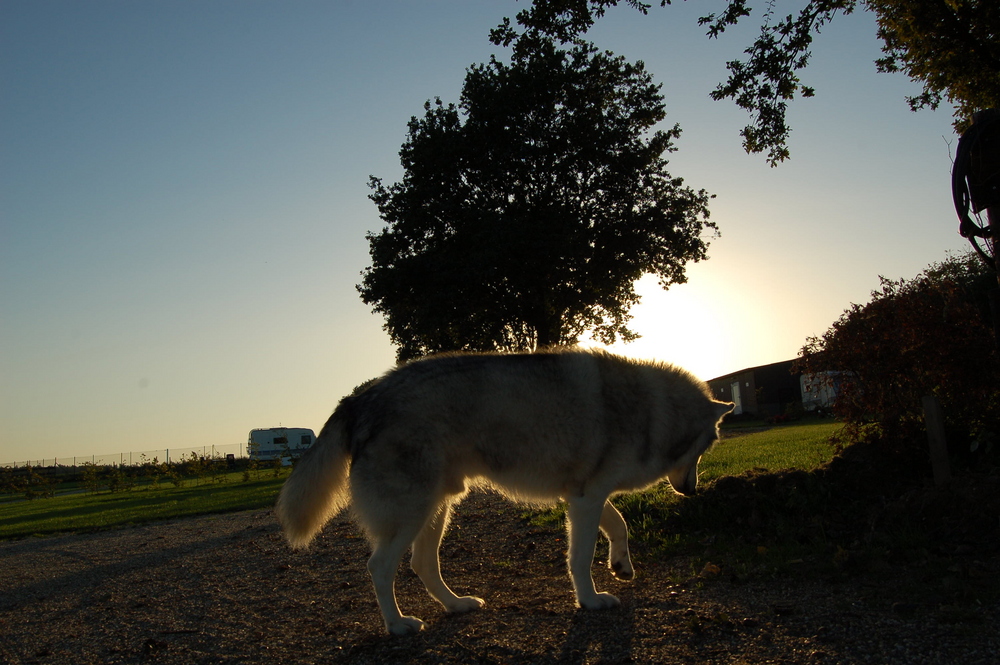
[573, 425]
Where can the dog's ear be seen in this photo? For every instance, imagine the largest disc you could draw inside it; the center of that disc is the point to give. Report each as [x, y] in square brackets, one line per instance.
[722, 408]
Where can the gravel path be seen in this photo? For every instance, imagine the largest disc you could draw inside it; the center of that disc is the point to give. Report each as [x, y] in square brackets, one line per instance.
[226, 589]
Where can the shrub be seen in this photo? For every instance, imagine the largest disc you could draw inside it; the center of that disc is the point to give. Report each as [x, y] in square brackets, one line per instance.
[37, 486]
[12, 480]
[931, 335]
[91, 477]
[120, 479]
[217, 470]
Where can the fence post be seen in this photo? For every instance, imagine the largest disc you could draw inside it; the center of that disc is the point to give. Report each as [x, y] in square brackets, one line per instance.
[934, 417]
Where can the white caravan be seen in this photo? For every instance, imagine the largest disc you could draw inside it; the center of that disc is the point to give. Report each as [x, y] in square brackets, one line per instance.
[279, 442]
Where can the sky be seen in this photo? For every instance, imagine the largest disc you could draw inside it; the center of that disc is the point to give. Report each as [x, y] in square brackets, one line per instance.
[184, 203]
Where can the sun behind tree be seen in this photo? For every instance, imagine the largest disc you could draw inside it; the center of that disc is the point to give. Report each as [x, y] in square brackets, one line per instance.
[527, 212]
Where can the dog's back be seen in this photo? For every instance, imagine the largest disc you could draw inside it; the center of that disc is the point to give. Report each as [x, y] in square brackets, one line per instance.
[538, 426]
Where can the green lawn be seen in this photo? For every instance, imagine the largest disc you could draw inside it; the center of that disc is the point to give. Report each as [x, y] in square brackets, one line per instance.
[793, 446]
[797, 445]
[88, 512]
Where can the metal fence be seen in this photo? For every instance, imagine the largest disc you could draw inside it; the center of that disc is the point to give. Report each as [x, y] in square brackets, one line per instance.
[168, 455]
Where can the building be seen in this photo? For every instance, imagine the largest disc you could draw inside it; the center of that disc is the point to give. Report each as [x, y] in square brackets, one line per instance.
[820, 390]
[763, 391]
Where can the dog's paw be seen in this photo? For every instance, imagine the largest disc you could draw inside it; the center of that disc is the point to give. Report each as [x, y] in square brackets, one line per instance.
[601, 601]
[465, 604]
[405, 626]
[623, 569]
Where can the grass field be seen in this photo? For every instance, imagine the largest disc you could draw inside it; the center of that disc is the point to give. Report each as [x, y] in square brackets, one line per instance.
[88, 512]
[794, 446]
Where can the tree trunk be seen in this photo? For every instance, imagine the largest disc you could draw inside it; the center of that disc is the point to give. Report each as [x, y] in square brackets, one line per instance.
[548, 330]
[993, 217]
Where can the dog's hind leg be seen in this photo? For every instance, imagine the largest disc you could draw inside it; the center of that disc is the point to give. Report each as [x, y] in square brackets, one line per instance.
[584, 521]
[616, 531]
[392, 520]
[382, 567]
[427, 566]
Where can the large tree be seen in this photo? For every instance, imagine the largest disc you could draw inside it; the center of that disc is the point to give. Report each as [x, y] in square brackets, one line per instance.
[950, 47]
[527, 212]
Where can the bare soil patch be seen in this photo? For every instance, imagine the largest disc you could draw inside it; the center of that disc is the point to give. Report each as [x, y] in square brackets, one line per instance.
[227, 589]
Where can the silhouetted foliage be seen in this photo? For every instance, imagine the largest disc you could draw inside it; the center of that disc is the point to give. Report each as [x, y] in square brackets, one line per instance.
[950, 47]
[527, 212]
[930, 335]
[37, 486]
[12, 481]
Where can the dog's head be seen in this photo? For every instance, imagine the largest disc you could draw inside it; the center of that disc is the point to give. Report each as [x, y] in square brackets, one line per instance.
[683, 476]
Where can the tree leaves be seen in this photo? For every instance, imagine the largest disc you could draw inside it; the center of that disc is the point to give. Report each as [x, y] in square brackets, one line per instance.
[925, 336]
[527, 211]
[951, 47]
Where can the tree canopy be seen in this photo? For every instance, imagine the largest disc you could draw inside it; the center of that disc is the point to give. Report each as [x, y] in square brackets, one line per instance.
[526, 212]
[950, 47]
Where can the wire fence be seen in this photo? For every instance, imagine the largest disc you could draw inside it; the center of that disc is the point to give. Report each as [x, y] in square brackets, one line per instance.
[138, 458]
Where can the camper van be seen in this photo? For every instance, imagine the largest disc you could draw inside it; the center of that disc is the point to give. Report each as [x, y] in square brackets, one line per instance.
[279, 442]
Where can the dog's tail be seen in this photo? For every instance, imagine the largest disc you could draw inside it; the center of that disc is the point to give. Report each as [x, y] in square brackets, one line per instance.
[318, 488]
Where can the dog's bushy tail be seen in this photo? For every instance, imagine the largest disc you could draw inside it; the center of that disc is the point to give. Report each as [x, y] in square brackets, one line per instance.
[318, 488]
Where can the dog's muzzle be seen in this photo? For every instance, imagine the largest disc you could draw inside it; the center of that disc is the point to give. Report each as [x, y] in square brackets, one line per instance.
[684, 480]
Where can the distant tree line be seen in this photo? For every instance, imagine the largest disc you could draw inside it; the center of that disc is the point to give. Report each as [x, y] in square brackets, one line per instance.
[41, 483]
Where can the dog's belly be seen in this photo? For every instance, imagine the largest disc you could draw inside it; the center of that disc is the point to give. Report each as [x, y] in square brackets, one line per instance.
[524, 475]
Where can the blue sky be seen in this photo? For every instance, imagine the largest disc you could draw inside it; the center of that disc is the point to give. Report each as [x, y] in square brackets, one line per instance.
[183, 203]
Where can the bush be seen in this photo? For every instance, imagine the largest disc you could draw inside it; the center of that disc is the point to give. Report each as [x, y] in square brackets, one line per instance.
[120, 479]
[91, 477]
[12, 481]
[37, 486]
[931, 335]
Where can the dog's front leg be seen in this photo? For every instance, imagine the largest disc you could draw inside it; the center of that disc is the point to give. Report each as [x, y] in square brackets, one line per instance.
[584, 522]
[613, 526]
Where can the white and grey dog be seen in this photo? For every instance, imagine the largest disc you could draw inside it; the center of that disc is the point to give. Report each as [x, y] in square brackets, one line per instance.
[573, 425]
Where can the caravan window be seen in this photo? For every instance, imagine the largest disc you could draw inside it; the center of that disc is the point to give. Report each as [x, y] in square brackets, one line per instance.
[279, 440]
[306, 440]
